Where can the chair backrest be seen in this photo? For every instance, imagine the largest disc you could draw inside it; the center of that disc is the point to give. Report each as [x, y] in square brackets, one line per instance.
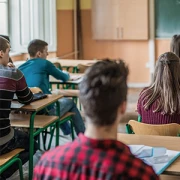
[82, 68]
[58, 65]
[171, 129]
[35, 90]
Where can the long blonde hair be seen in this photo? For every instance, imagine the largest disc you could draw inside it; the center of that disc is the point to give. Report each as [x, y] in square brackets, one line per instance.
[165, 88]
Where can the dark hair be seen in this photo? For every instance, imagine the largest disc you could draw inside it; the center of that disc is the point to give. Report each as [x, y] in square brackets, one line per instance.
[103, 89]
[165, 88]
[175, 45]
[6, 37]
[4, 44]
[35, 46]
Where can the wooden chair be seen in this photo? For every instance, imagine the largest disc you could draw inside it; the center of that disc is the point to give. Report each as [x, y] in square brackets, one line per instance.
[6, 160]
[58, 65]
[35, 90]
[136, 127]
[81, 68]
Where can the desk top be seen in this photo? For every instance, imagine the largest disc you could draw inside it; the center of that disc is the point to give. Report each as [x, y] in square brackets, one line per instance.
[75, 78]
[172, 143]
[73, 62]
[40, 104]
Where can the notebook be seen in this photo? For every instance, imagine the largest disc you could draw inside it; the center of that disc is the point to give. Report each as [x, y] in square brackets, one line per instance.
[157, 157]
[36, 96]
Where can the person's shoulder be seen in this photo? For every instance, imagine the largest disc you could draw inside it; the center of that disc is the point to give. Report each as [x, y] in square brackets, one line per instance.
[137, 169]
[57, 153]
[14, 73]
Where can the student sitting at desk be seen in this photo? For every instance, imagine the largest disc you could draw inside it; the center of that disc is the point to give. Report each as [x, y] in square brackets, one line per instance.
[11, 81]
[175, 45]
[97, 154]
[37, 70]
[160, 102]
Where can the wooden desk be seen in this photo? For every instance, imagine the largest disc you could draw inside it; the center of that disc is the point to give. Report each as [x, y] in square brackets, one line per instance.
[53, 80]
[72, 62]
[172, 143]
[34, 107]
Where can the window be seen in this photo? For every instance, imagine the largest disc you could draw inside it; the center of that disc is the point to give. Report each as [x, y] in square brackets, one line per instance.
[4, 17]
[30, 19]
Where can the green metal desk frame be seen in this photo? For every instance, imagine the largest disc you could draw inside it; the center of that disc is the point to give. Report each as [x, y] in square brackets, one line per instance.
[10, 162]
[32, 135]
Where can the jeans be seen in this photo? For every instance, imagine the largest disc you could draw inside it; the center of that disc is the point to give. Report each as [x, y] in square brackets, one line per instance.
[20, 140]
[68, 105]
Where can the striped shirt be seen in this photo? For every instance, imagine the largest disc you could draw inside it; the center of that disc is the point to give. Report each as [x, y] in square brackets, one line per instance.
[11, 81]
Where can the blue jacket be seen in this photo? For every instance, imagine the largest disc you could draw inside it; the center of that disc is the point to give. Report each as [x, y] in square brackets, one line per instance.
[37, 71]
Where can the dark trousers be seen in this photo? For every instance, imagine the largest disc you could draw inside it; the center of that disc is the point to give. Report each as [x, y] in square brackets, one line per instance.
[20, 140]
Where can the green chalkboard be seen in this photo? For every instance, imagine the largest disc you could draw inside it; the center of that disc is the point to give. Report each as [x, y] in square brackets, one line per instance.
[167, 18]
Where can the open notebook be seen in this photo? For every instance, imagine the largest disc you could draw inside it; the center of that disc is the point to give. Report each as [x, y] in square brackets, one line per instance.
[157, 157]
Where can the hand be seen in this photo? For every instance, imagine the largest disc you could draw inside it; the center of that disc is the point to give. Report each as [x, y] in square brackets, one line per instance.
[11, 65]
[65, 72]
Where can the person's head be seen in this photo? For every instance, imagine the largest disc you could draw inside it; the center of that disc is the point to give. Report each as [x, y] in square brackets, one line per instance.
[7, 38]
[38, 49]
[175, 45]
[165, 86]
[4, 51]
[103, 92]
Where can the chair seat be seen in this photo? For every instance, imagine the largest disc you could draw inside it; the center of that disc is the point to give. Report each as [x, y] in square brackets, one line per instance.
[40, 121]
[67, 115]
[6, 157]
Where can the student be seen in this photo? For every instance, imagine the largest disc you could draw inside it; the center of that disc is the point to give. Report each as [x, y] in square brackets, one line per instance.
[160, 102]
[97, 154]
[175, 45]
[37, 70]
[11, 81]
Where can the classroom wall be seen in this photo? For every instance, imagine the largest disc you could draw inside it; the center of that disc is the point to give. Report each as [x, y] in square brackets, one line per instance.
[135, 53]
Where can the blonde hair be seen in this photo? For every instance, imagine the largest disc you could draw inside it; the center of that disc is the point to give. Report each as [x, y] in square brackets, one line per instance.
[165, 88]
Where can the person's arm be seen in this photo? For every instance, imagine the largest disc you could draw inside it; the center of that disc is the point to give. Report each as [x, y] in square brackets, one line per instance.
[23, 93]
[55, 72]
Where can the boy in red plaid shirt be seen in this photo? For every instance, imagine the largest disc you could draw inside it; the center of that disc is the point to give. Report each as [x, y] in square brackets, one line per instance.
[97, 155]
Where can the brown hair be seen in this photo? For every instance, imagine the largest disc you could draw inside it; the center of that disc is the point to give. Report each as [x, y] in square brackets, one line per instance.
[102, 90]
[165, 88]
[175, 45]
[35, 46]
[4, 44]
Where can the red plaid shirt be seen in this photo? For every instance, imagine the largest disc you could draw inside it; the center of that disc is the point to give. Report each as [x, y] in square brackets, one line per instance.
[90, 159]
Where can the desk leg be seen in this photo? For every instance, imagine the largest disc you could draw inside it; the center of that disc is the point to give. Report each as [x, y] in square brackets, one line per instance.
[31, 145]
[58, 122]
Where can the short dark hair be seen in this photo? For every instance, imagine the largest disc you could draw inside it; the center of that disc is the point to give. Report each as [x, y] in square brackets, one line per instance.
[4, 44]
[35, 46]
[6, 37]
[103, 89]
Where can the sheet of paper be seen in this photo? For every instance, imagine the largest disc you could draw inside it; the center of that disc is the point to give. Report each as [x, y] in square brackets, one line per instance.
[16, 105]
[159, 159]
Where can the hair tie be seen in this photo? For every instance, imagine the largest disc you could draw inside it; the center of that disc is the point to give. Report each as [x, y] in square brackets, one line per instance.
[166, 62]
